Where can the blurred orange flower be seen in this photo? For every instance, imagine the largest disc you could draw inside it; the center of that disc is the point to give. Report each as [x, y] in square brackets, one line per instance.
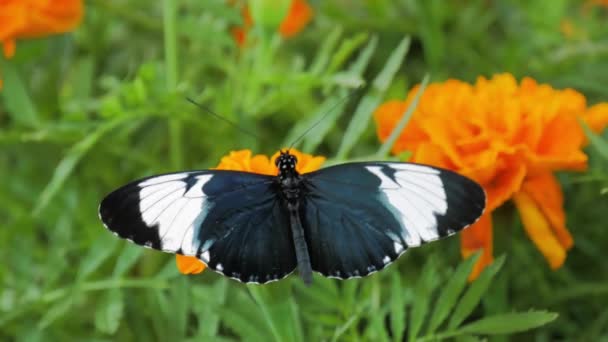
[244, 161]
[36, 18]
[300, 13]
[510, 138]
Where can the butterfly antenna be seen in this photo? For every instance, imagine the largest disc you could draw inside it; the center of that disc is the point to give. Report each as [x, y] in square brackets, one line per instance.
[340, 102]
[217, 116]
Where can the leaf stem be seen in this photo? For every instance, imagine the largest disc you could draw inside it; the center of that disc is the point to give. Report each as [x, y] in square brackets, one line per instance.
[388, 144]
[171, 71]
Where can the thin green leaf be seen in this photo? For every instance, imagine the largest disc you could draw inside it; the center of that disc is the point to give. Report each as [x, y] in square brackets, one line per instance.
[265, 311]
[99, 252]
[422, 294]
[473, 295]
[396, 133]
[129, 256]
[596, 141]
[16, 98]
[509, 323]
[362, 61]
[384, 79]
[345, 50]
[341, 329]
[109, 312]
[376, 329]
[180, 307]
[397, 307]
[323, 56]
[56, 311]
[68, 163]
[370, 102]
[451, 292]
[243, 318]
[335, 104]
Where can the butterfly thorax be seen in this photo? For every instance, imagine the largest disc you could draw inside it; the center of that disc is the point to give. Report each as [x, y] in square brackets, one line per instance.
[289, 178]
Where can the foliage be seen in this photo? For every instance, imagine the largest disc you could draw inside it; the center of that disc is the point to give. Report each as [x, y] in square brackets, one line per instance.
[84, 113]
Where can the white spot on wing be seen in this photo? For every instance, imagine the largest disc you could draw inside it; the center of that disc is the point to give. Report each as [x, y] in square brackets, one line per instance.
[219, 267]
[205, 256]
[177, 214]
[398, 247]
[386, 259]
[152, 194]
[417, 195]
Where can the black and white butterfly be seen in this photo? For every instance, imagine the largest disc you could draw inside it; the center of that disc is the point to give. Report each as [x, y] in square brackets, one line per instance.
[343, 221]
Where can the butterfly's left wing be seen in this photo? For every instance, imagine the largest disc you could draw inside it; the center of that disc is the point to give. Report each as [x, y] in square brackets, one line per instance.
[359, 217]
[232, 221]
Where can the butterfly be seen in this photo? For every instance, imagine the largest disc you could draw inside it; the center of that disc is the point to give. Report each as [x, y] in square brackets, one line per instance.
[343, 221]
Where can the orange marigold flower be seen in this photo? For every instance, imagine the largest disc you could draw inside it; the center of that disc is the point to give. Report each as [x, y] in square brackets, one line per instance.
[510, 138]
[243, 160]
[36, 18]
[299, 15]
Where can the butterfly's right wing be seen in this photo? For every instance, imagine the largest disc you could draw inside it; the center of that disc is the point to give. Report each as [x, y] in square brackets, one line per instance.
[360, 217]
[232, 221]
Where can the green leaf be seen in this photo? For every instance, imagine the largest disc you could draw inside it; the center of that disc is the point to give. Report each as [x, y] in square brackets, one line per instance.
[265, 311]
[385, 77]
[129, 256]
[109, 312]
[16, 98]
[473, 295]
[370, 102]
[345, 50]
[596, 141]
[333, 108]
[388, 144]
[58, 310]
[397, 307]
[68, 163]
[509, 323]
[422, 294]
[451, 292]
[99, 251]
[360, 64]
[323, 56]
[180, 307]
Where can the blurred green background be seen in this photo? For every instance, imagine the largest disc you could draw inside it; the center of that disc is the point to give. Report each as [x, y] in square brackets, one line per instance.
[83, 113]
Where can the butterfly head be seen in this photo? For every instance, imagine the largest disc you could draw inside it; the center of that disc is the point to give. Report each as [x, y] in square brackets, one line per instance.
[286, 162]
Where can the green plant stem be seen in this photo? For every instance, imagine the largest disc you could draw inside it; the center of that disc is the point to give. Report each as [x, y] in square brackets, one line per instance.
[170, 36]
[388, 144]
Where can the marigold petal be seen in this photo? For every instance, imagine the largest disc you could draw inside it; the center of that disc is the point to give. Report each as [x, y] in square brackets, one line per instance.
[560, 145]
[431, 154]
[504, 184]
[300, 13]
[311, 164]
[9, 47]
[261, 164]
[236, 161]
[597, 117]
[478, 237]
[546, 192]
[189, 264]
[539, 231]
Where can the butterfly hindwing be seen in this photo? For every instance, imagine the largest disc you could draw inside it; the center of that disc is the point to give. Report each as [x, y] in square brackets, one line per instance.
[359, 217]
[230, 220]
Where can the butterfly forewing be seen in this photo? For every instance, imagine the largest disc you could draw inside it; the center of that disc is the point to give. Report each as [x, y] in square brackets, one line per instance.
[230, 220]
[359, 217]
